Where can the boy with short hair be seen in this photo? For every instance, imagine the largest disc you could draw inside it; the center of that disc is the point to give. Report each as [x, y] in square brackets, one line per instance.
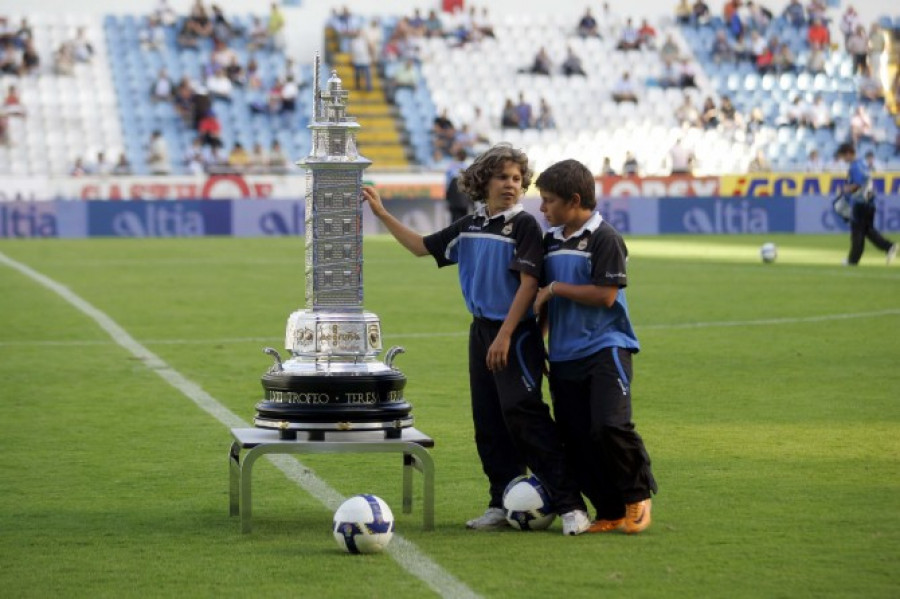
[498, 250]
[591, 342]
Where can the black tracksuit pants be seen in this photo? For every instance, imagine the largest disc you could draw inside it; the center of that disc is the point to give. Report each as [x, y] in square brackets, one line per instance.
[513, 426]
[592, 407]
[862, 227]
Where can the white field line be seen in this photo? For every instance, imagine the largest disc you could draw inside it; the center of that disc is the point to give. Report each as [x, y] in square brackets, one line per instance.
[404, 552]
[648, 327]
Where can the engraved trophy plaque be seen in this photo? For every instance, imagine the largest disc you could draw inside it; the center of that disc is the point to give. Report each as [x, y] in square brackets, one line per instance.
[333, 380]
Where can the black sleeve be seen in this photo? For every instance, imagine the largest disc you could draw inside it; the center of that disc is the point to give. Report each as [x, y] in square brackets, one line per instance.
[529, 255]
[608, 256]
[438, 243]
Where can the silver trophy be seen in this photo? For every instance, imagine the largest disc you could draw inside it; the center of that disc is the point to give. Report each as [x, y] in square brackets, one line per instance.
[333, 380]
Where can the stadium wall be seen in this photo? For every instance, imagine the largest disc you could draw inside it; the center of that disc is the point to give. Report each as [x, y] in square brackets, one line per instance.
[274, 217]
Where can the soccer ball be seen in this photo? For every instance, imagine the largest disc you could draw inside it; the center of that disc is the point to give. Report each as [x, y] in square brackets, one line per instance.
[363, 524]
[527, 504]
[768, 252]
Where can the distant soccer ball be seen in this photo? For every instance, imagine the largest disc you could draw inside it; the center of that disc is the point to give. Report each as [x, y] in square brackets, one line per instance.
[527, 504]
[768, 252]
[363, 524]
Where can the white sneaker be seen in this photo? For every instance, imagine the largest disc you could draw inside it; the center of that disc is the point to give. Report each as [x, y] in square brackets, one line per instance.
[492, 519]
[891, 253]
[575, 522]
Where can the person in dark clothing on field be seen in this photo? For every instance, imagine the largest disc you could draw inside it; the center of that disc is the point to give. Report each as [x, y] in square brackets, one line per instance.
[861, 197]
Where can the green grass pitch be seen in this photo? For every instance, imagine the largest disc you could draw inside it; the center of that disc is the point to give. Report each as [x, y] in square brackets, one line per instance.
[767, 396]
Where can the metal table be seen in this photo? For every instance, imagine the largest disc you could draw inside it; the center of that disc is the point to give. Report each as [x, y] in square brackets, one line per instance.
[412, 443]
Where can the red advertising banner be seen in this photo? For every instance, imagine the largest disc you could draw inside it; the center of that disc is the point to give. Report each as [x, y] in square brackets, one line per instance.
[655, 187]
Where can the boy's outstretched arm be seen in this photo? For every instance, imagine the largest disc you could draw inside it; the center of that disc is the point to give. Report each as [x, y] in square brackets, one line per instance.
[408, 238]
[592, 295]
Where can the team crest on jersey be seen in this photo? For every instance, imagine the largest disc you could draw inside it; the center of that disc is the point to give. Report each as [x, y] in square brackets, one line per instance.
[582, 244]
[507, 229]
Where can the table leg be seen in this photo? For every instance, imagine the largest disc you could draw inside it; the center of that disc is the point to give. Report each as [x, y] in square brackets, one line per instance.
[234, 472]
[408, 462]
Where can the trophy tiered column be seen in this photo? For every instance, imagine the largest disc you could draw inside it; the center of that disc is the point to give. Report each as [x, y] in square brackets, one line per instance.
[333, 380]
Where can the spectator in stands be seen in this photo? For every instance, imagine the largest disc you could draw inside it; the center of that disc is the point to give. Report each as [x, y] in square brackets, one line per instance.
[122, 166]
[742, 50]
[194, 158]
[81, 46]
[289, 93]
[729, 116]
[683, 12]
[217, 162]
[850, 20]
[794, 14]
[443, 132]
[687, 73]
[404, 76]
[541, 64]
[757, 46]
[721, 50]
[572, 64]
[223, 29]
[758, 16]
[524, 112]
[755, 122]
[759, 164]
[24, 33]
[183, 100]
[235, 72]
[587, 25]
[508, 117]
[628, 37]
[669, 51]
[687, 113]
[483, 23]
[765, 61]
[870, 88]
[276, 26]
[681, 159]
[238, 158]
[198, 21]
[10, 58]
[221, 55]
[669, 76]
[258, 160]
[818, 34]
[545, 119]
[481, 129]
[210, 131]
[258, 36]
[624, 90]
[733, 18]
[31, 60]
[78, 169]
[709, 114]
[785, 61]
[609, 21]
[158, 154]
[164, 13]
[857, 46]
[153, 35]
[187, 37]
[817, 59]
[861, 125]
[814, 162]
[12, 104]
[162, 89]
[630, 166]
[273, 97]
[219, 85]
[463, 142]
[873, 165]
[700, 13]
[607, 170]
[278, 162]
[647, 35]
[361, 57]
[796, 114]
[102, 167]
[434, 27]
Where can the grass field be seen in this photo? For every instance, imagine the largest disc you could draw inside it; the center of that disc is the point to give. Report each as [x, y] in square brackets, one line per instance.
[767, 396]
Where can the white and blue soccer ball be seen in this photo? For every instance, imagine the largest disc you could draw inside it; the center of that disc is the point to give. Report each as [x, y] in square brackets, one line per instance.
[527, 504]
[363, 524]
[768, 252]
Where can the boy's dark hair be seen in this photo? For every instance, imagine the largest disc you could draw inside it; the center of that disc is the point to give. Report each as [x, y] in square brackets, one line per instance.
[566, 178]
[845, 148]
[474, 180]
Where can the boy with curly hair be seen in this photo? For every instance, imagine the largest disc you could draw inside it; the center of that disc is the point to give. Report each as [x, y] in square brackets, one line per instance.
[498, 251]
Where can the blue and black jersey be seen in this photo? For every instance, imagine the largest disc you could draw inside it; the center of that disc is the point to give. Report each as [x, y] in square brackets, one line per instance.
[859, 174]
[594, 255]
[490, 252]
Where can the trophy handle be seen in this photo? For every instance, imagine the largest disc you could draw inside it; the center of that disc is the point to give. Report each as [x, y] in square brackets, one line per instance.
[277, 367]
[391, 354]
